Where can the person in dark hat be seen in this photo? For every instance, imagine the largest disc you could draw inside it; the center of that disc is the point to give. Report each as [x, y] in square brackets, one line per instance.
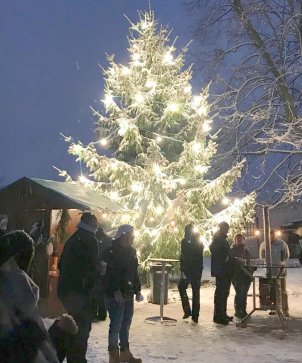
[23, 336]
[121, 284]
[78, 271]
[191, 266]
[222, 269]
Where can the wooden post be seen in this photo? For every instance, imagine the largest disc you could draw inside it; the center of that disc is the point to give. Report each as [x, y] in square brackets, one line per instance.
[268, 252]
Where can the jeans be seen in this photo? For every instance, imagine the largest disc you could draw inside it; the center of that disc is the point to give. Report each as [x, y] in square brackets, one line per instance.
[182, 288]
[222, 292]
[120, 315]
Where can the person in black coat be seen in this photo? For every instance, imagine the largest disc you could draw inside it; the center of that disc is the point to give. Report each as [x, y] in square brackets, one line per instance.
[104, 243]
[121, 284]
[191, 266]
[78, 271]
[222, 269]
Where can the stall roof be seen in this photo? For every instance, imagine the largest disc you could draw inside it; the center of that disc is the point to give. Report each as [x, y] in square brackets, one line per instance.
[39, 193]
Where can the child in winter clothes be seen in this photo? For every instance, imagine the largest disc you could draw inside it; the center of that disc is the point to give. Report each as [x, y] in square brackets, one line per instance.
[241, 279]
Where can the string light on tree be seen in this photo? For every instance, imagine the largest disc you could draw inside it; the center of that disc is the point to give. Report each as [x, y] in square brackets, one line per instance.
[225, 201]
[149, 100]
[104, 142]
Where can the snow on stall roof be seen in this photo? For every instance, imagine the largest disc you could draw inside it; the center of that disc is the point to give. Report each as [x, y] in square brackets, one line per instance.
[74, 191]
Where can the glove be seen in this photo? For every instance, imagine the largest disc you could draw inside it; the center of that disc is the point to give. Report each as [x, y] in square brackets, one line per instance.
[139, 297]
[183, 276]
[118, 296]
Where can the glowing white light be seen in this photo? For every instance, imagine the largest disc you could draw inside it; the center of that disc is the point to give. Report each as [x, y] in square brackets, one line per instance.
[257, 232]
[159, 210]
[219, 218]
[114, 195]
[137, 187]
[196, 101]
[168, 58]
[139, 98]
[188, 89]
[104, 142]
[150, 83]
[175, 229]
[202, 110]
[159, 138]
[196, 147]
[173, 107]
[195, 229]
[182, 181]
[225, 201]
[152, 219]
[157, 169]
[236, 201]
[83, 179]
[109, 101]
[153, 232]
[173, 223]
[278, 233]
[201, 168]
[126, 71]
[206, 127]
[104, 215]
[114, 166]
[124, 125]
[136, 56]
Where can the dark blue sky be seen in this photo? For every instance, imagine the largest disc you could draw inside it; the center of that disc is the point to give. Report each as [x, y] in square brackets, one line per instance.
[49, 74]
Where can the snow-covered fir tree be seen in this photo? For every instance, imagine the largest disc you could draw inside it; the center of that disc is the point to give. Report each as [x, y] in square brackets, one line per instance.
[158, 133]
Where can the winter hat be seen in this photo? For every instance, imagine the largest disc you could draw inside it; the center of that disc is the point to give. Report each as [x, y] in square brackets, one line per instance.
[18, 244]
[122, 230]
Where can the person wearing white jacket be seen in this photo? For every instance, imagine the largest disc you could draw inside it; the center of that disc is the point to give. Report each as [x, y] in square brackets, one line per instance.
[280, 255]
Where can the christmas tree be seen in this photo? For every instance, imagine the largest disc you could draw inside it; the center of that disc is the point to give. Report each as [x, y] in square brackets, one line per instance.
[158, 135]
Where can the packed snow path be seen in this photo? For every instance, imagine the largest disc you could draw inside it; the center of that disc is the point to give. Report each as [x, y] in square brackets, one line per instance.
[262, 341]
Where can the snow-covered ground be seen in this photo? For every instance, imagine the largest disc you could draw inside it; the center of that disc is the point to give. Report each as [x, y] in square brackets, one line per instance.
[263, 340]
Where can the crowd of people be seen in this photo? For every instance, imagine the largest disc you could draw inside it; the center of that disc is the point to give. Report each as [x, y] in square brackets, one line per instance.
[99, 275]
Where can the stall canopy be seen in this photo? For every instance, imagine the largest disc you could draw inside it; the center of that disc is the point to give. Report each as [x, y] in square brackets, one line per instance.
[37, 194]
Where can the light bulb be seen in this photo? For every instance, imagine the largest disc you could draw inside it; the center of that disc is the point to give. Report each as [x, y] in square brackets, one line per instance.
[173, 223]
[196, 101]
[159, 138]
[114, 195]
[159, 210]
[136, 56]
[202, 110]
[182, 181]
[200, 168]
[225, 201]
[152, 219]
[139, 98]
[206, 127]
[150, 83]
[104, 142]
[196, 147]
[104, 215]
[257, 232]
[157, 169]
[175, 229]
[278, 233]
[173, 107]
[188, 89]
[126, 71]
[137, 187]
[195, 229]
[109, 101]
[168, 58]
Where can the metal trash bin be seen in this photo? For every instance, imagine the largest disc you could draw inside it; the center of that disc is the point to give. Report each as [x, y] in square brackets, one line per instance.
[155, 274]
[270, 293]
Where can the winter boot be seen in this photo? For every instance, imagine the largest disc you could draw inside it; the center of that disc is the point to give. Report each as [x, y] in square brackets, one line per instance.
[126, 356]
[114, 356]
